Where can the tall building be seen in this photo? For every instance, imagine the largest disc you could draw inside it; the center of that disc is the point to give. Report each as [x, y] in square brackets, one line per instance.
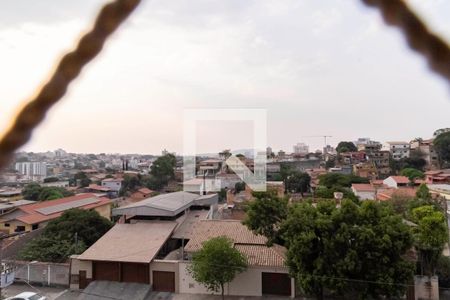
[301, 148]
[399, 150]
[32, 170]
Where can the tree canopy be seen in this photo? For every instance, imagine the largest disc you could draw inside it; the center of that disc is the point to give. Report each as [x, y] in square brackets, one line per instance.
[33, 191]
[442, 145]
[216, 264]
[298, 182]
[346, 147]
[162, 170]
[265, 214]
[69, 234]
[412, 173]
[430, 236]
[329, 246]
[340, 180]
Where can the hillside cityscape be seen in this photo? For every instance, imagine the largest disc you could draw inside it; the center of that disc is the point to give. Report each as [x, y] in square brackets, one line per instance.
[376, 212]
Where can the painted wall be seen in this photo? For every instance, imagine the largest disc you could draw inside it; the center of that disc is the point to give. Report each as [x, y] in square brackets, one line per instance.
[77, 265]
[104, 211]
[248, 283]
[167, 266]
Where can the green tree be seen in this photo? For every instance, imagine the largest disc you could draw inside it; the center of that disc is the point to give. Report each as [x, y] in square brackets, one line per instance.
[412, 173]
[31, 191]
[239, 187]
[53, 192]
[129, 184]
[265, 214]
[442, 145]
[50, 249]
[51, 179]
[346, 147]
[162, 170]
[88, 225]
[216, 264]
[329, 246]
[341, 180]
[69, 234]
[430, 236]
[298, 182]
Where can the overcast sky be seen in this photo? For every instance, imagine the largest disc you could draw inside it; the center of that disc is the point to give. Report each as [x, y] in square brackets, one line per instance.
[318, 66]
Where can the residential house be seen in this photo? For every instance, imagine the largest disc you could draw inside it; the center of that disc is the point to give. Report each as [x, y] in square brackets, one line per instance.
[438, 176]
[381, 161]
[114, 184]
[384, 194]
[364, 191]
[146, 246]
[396, 181]
[267, 273]
[33, 216]
[142, 193]
[427, 151]
[6, 206]
[167, 206]
[125, 254]
[399, 150]
[366, 170]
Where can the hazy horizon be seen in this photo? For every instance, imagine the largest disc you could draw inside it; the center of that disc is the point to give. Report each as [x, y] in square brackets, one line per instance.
[318, 67]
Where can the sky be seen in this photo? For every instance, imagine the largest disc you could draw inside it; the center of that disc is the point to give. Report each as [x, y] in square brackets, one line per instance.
[318, 67]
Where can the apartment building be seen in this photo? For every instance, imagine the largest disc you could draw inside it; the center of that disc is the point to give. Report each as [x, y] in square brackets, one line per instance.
[399, 150]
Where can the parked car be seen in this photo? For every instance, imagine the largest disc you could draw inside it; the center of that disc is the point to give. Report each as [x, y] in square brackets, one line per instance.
[27, 296]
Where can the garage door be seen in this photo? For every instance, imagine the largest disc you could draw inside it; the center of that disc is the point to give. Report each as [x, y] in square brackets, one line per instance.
[276, 284]
[105, 270]
[134, 272]
[163, 281]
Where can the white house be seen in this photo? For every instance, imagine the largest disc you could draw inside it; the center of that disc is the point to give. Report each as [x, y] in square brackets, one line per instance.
[396, 181]
[399, 150]
[364, 191]
[114, 184]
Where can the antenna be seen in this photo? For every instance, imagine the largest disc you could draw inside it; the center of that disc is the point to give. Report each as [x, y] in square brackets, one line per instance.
[323, 136]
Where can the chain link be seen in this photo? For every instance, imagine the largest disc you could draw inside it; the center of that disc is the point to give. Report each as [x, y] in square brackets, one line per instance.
[109, 18]
[419, 38]
[395, 12]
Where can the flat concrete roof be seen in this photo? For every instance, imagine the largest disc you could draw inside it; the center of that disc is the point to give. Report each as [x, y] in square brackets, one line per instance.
[139, 242]
[169, 204]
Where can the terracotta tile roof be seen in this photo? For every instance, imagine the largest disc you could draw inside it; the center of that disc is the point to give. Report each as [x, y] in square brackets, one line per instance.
[234, 230]
[433, 172]
[363, 187]
[400, 179]
[139, 242]
[263, 256]
[145, 191]
[251, 245]
[388, 193]
[32, 215]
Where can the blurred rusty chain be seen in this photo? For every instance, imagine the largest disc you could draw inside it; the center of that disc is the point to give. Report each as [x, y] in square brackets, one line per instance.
[395, 12]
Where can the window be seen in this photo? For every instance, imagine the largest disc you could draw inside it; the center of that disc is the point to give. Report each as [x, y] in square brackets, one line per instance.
[20, 228]
[35, 226]
[6, 224]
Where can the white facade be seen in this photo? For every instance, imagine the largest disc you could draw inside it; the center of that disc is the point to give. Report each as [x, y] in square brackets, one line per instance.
[32, 170]
[399, 150]
[112, 184]
[248, 283]
[301, 148]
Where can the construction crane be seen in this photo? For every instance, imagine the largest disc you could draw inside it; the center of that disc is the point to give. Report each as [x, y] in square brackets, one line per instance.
[322, 136]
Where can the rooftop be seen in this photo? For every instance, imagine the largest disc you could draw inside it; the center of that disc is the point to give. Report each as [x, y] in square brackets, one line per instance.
[400, 179]
[47, 210]
[249, 244]
[363, 187]
[139, 242]
[169, 204]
